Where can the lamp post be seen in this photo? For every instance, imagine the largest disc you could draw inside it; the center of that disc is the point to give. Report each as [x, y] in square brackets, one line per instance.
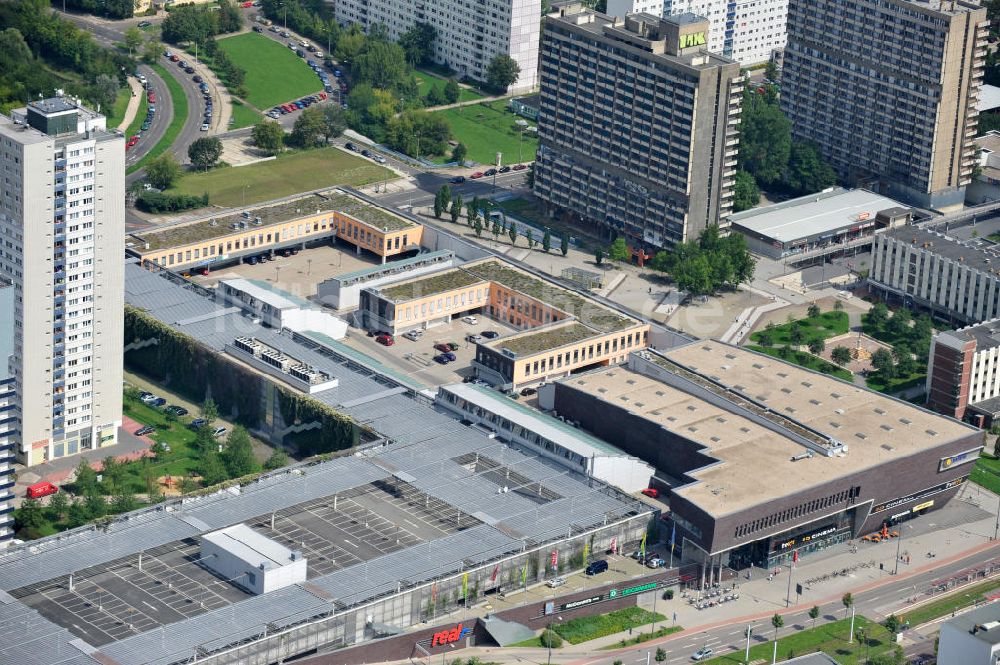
[749, 634]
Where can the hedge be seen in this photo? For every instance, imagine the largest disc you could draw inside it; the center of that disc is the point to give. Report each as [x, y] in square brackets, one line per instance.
[158, 202]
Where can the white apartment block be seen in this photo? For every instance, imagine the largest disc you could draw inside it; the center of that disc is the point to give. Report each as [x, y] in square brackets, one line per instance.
[8, 416]
[62, 224]
[747, 31]
[469, 32]
[919, 268]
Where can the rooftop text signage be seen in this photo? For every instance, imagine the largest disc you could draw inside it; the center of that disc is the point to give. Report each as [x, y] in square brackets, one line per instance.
[693, 39]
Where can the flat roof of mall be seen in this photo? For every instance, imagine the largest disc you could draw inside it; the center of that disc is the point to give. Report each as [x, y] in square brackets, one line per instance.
[218, 226]
[813, 215]
[396, 504]
[757, 464]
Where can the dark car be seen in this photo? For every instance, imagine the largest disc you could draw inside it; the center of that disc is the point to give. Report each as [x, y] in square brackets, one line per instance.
[527, 392]
[458, 180]
[182, 64]
[197, 79]
[257, 28]
[159, 401]
[450, 356]
[441, 359]
[490, 334]
[366, 153]
[197, 422]
[504, 169]
[490, 172]
[189, 70]
[143, 431]
[597, 567]
[176, 410]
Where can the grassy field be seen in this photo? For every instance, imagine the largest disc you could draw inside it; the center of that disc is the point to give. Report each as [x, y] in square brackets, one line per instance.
[808, 360]
[830, 639]
[951, 603]
[117, 113]
[425, 81]
[827, 324]
[576, 631]
[986, 473]
[288, 174]
[274, 73]
[244, 116]
[488, 128]
[180, 108]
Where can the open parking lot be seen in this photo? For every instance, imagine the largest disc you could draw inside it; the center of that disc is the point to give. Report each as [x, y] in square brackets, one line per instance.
[169, 583]
[416, 358]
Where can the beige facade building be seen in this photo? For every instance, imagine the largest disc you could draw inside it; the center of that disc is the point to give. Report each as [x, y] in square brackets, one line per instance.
[638, 125]
[62, 220]
[890, 94]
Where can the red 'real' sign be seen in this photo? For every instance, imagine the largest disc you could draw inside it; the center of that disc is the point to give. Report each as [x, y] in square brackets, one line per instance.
[450, 635]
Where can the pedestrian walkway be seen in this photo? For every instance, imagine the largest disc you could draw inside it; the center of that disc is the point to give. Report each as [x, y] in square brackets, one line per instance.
[133, 103]
[746, 319]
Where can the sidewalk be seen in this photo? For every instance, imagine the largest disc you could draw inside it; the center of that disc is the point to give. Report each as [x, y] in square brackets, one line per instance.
[133, 103]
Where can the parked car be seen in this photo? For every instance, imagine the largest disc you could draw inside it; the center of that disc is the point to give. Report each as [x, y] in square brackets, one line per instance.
[144, 24]
[702, 654]
[453, 346]
[651, 492]
[655, 562]
[219, 431]
[473, 337]
[450, 356]
[458, 180]
[413, 335]
[159, 401]
[504, 169]
[442, 359]
[176, 410]
[555, 582]
[204, 126]
[476, 175]
[148, 398]
[597, 567]
[189, 70]
[143, 431]
[151, 98]
[490, 172]
[257, 28]
[174, 57]
[366, 153]
[197, 423]
[520, 167]
[379, 159]
[441, 346]
[471, 320]
[38, 490]
[490, 334]
[385, 340]
[197, 79]
[528, 392]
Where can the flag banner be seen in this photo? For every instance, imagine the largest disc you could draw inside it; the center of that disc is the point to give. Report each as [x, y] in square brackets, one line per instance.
[673, 536]
[465, 585]
[586, 551]
[614, 545]
[555, 559]
[496, 571]
[434, 592]
[642, 547]
[524, 574]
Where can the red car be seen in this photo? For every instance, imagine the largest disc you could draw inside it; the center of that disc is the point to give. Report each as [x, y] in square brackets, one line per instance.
[246, 5]
[151, 98]
[175, 58]
[520, 167]
[385, 340]
[442, 347]
[41, 489]
[322, 95]
[652, 493]
[477, 174]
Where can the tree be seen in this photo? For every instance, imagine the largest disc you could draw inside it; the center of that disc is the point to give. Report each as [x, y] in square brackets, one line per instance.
[434, 97]
[806, 171]
[133, 39]
[766, 338]
[112, 471]
[151, 52]
[163, 171]
[77, 514]
[439, 205]
[334, 122]
[564, 244]
[550, 639]
[814, 614]
[777, 621]
[838, 306]
[211, 469]
[530, 237]
[269, 136]
[451, 91]
[456, 209]
[847, 599]
[512, 234]
[661, 655]
[496, 229]
[765, 138]
[746, 194]
[547, 241]
[813, 311]
[877, 315]
[899, 324]
[841, 355]
[477, 226]
[123, 500]
[459, 153]
[29, 515]
[238, 456]
[309, 128]
[105, 90]
[380, 63]
[58, 505]
[209, 410]
[205, 152]
[277, 460]
[892, 623]
[618, 251]
[771, 71]
[816, 346]
[502, 72]
[86, 478]
[882, 361]
[418, 43]
[472, 212]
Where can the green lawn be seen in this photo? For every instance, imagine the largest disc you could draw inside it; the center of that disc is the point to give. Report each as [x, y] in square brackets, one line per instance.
[289, 174]
[805, 359]
[986, 473]
[180, 108]
[830, 638]
[644, 637]
[243, 116]
[140, 116]
[117, 113]
[274, 73]
[576, 631]
[897, 383]
[425, 81]
[827, 324]
[488, 128]
[950, 603]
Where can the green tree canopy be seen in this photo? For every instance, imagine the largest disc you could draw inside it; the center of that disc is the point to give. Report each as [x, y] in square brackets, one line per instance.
[807, 172]
[451, 91]
[459, 153]
[163, 171]
[418, 43]
[502, 72]
[380, 64]
[618, 250]
[276, 460]
[765, 138]
[211, 469]
[238, 456]
[746, 194]
[309, 129]
[205, 152]
[269, 136]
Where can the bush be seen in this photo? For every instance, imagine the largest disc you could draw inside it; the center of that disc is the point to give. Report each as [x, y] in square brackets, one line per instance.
[550, 639]
[159, 202]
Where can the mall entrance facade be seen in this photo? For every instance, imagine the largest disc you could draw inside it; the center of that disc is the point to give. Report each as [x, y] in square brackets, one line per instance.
[781, 549]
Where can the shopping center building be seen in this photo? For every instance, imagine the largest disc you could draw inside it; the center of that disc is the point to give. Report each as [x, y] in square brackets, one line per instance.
[759, 459]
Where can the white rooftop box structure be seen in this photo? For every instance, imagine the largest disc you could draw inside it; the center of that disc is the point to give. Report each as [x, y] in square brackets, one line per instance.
[252, 560]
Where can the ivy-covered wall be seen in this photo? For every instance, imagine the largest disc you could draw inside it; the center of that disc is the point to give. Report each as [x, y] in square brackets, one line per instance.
[198, 372]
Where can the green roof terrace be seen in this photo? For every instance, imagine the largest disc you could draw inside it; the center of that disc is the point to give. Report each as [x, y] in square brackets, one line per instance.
[367, 213]
[432, 284]
[585, 310]
[543, 339]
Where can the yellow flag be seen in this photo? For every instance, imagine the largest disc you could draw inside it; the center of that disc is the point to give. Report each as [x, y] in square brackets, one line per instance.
[586, 551]
[465, 585]
[642, 548]
[524, 573]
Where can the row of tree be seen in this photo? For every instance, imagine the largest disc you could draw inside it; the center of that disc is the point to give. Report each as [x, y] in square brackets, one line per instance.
[116, 9]
[196, 24]
[768, 155]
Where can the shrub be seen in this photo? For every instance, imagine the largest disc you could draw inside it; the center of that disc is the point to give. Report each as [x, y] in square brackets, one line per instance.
[159, 202]
[550, 639]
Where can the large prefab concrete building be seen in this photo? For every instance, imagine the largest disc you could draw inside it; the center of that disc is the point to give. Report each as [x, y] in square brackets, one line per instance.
[638, 125]
[889, 96]
[62, 220]
[761, 460]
